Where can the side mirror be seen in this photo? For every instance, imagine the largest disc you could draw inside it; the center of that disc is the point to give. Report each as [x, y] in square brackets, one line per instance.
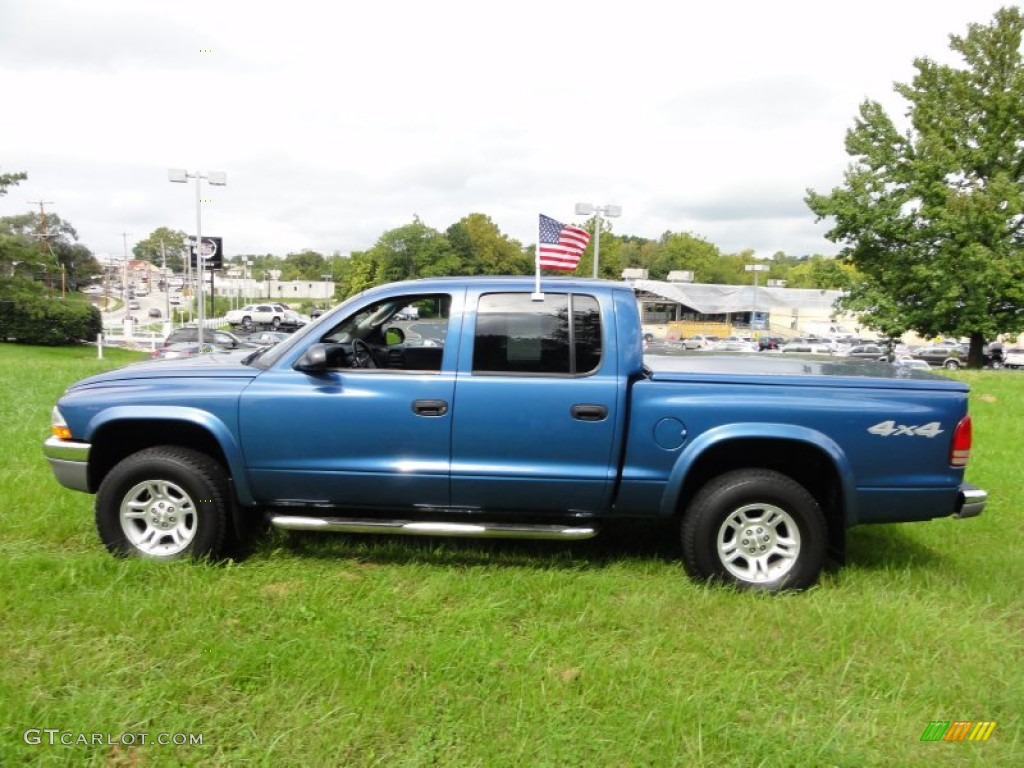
[313, 360]
[394, 336]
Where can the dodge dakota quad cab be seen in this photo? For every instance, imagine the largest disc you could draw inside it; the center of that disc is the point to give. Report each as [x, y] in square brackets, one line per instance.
[501, 412]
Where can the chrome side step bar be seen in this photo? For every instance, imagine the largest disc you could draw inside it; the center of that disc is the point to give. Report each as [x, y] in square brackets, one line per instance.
[424, 528]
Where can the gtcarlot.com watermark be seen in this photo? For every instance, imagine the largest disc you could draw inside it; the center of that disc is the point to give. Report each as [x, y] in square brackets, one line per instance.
[57, 737]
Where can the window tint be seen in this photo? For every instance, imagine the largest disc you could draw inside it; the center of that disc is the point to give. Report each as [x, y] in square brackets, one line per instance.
[515, 334]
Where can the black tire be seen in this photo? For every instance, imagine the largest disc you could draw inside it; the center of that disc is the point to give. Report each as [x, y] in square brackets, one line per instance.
[165, 502]
[247, 321]
[756, 529]
[951, 365]
[276, 322]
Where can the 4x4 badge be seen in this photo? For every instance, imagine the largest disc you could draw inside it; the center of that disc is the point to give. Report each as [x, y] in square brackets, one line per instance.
[890, 428]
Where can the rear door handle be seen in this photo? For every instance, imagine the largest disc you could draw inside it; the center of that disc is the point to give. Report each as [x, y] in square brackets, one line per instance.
[429, 407]
[585, 412]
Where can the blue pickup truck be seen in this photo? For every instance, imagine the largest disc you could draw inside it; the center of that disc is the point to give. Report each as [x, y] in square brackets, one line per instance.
[498, 411]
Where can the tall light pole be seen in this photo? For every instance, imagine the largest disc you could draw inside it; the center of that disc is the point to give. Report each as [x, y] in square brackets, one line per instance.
[218, 179]
[756, 269]
[585, 209]
[167, 284]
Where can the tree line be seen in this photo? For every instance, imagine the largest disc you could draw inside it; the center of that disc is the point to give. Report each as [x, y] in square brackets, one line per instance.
[475, 245]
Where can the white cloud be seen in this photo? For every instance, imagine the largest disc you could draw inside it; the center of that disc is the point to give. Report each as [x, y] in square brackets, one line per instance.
[335, 122]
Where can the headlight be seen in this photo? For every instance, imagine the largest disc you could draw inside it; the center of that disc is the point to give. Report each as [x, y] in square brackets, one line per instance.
[58, 426]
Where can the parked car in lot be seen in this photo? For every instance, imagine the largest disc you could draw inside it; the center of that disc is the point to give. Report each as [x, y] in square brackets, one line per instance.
[276, 315]
[867, 352]
[735, 344]
[809, 346]
[266, 338]
[409, 313]
[700, 342]
[185, 349]
[1013, 358]
[133, 304]
[154, 312]
[909, 362]
[950, 356]
[189, 334]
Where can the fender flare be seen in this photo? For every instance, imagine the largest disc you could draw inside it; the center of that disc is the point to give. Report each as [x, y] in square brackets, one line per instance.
[692, 451]
[195, 416]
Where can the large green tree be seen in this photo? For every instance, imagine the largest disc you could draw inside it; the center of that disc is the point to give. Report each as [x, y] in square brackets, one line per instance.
[686, 252]
[164, 242]
[482, 248]
[407, 252]
[14, 250]
[47, 251]
[933, 217]
[305, 265]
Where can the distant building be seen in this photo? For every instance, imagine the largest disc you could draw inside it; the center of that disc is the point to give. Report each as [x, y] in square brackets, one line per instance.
[785, 311]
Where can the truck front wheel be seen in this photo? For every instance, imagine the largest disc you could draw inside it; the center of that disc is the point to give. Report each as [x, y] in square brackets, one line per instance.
[165, 502]
[756, 529]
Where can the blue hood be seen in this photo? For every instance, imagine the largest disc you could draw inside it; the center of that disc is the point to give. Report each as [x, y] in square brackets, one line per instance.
[216, 365]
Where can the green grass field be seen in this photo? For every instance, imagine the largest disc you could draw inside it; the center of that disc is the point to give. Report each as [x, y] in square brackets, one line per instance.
[350, 651]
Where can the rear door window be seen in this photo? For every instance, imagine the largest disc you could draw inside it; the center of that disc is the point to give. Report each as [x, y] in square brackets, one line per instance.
[515, 334]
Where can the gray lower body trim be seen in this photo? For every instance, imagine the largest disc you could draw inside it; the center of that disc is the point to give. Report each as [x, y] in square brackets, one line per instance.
[69, 461]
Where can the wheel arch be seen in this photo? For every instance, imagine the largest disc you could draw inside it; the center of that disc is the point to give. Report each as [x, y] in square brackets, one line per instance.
[810, 458]
[120, 432]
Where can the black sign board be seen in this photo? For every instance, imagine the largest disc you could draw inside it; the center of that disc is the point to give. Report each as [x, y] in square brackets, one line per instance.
[213, 253]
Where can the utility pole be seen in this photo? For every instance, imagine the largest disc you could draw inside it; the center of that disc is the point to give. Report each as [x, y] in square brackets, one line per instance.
[124, 269]
[44, 242]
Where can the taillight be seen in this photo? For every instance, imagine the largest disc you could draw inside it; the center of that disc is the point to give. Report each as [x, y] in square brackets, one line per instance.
[960, 451]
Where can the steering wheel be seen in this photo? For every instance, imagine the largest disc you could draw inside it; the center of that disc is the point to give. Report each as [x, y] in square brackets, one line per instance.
[362, 357]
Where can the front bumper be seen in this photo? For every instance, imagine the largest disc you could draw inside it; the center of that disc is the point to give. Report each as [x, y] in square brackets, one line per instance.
[69, 460]
[971, 501]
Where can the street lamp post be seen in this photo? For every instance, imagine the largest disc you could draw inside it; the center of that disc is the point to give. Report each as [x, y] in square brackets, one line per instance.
[217, 179]
[167, 285]
[757, 269]
[585, 209]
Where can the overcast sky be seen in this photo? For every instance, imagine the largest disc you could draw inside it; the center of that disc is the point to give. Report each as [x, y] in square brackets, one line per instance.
[336, 121]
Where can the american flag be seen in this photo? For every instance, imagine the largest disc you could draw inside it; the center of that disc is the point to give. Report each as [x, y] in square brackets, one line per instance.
[560, 245]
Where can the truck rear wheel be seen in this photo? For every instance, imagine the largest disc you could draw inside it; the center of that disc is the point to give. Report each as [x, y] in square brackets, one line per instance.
[165, 502]
[756, 529]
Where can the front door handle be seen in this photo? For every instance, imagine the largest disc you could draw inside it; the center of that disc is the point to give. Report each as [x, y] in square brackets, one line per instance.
[585, 412]
[429, 407]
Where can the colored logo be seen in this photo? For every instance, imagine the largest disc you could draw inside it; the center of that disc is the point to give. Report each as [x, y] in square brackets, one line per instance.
[958, 730]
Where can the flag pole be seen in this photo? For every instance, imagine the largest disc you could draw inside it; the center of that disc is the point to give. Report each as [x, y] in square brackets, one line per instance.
[537, 295]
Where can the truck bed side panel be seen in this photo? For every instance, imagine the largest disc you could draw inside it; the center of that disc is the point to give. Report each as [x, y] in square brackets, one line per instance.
[894, 441]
